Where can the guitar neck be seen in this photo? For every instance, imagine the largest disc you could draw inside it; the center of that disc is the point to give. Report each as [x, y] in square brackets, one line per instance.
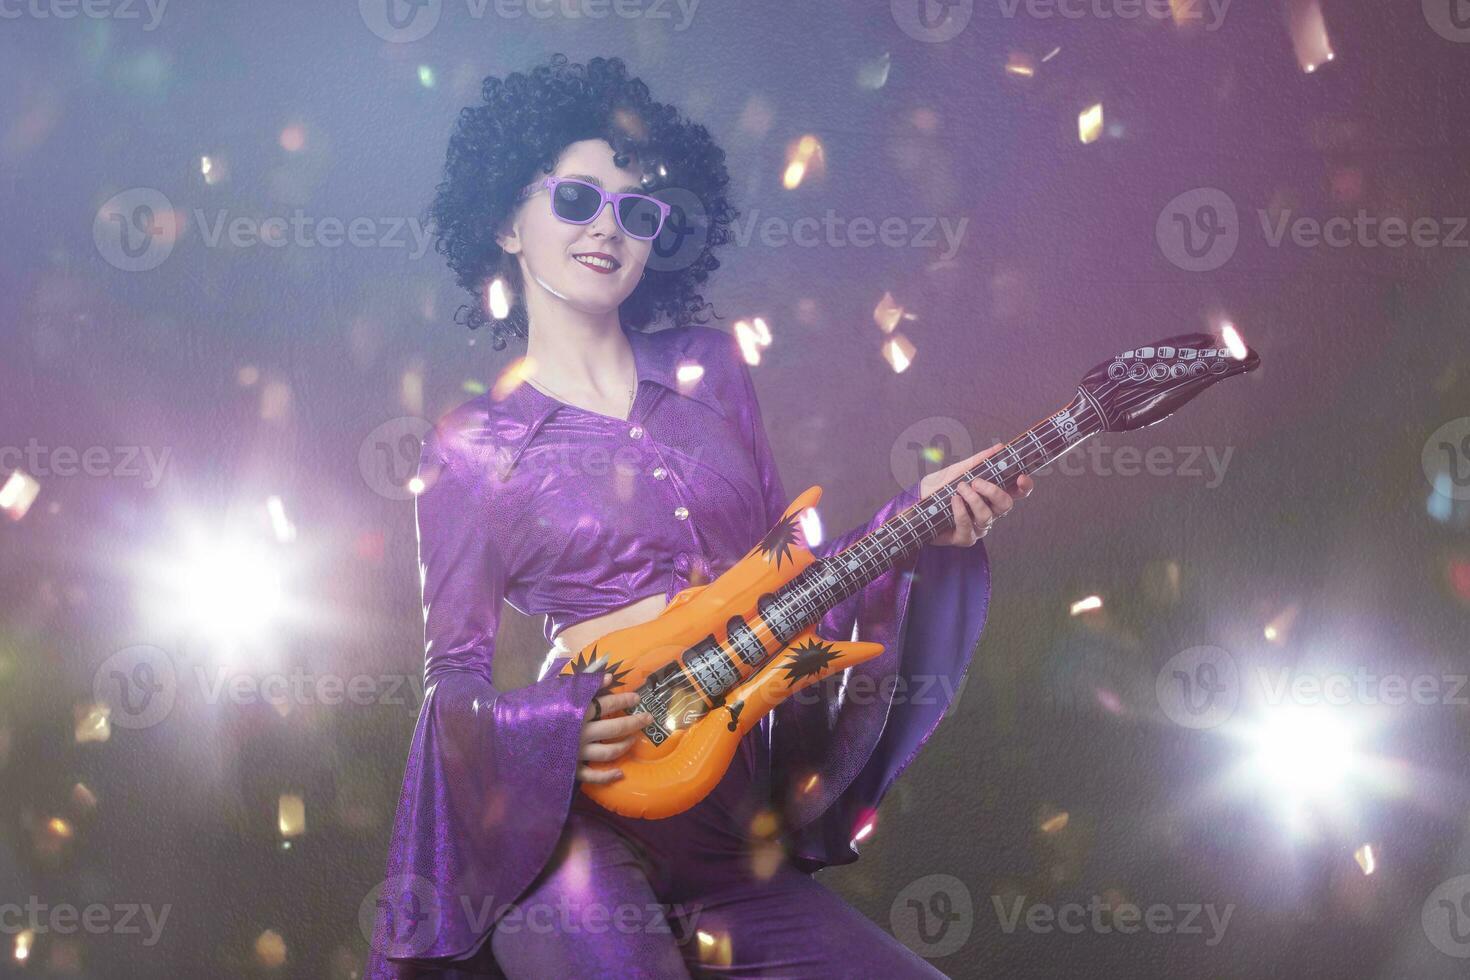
[830, 580]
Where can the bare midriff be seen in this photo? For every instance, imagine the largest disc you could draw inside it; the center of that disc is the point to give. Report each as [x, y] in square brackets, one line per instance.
[572, 639]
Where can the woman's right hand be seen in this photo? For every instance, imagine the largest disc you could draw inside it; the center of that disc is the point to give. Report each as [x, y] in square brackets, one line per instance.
[593, 748]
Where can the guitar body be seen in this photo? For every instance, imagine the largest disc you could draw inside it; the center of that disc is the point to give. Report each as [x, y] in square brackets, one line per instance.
[685, 753]
[721, 655]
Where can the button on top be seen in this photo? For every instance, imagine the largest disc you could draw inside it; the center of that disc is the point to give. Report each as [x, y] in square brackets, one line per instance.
[636, 432]
[659, 473]
[681, 512]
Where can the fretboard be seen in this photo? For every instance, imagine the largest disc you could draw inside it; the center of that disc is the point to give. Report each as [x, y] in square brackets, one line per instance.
[827, 581]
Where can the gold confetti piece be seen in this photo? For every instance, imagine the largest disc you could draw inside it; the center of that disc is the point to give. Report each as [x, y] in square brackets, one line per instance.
[765, 824]
[1233, 342]
[806, 156]
[24, 940]
[415, 486]
[497, 298]
[291, 815]
[1364, 857]
[714, 948]
[59, 829]
[1051, 54]
[1020, 64]
[18, 493]
[688, 372]
[1308, 34]
[1090, 123]
[873, 75]
[426, 76]
[281, 526]
[888, 313]
[1278, 628]
[93, 723]
[898, 351]
[270, 949]
[1087, 604]
[811, 783]
[83, 798]
[753, 336]
[248, 375]
[1055, 822]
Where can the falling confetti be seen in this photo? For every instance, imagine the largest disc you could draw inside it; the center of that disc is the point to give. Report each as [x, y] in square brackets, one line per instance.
[1090, 123]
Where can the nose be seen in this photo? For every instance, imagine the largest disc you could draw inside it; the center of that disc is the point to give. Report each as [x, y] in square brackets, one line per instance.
[605, 225]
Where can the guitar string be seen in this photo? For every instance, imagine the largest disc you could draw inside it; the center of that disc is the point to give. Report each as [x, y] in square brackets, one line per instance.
[807, 605]
[859, 560]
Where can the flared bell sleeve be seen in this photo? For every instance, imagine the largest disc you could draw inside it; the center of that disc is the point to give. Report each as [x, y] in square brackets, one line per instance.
[490, 774]
[838, 746]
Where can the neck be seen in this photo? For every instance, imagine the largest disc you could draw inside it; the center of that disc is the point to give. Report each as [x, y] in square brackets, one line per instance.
[580, 353]
[828, 581]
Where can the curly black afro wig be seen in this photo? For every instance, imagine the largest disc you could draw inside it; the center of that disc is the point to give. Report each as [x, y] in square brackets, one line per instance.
[521, 127]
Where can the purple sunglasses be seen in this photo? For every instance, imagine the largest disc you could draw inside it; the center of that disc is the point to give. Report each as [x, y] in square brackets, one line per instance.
[578, 202]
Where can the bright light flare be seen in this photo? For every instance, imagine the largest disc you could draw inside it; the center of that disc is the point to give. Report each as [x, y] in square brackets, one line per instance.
[227, 588]
[17, 494]
[1306, 761]
[753, 336]
[1090, 123]
[1308, 34]
[497, 298]
[1087, 604]
[807, 156]
[1233, 342]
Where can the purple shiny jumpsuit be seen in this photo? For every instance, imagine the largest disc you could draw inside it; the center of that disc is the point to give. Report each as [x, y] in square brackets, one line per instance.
[498, 865]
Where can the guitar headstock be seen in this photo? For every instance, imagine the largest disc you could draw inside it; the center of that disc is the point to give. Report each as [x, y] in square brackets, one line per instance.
[1148, 384]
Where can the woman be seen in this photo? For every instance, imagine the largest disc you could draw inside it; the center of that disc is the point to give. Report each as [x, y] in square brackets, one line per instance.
[614, 468]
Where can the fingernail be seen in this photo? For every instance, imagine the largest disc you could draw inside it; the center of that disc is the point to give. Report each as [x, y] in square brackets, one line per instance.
[607, 678]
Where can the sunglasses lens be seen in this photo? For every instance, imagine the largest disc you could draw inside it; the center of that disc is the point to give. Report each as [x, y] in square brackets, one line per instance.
[575, 201]
[640, 217]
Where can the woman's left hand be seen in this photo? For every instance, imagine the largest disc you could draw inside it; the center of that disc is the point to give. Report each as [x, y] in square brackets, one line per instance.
[978, 504]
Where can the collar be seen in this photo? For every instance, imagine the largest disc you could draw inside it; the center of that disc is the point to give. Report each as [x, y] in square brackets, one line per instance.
[515, 419]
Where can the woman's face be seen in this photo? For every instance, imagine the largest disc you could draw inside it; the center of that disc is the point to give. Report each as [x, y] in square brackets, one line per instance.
[547, 247]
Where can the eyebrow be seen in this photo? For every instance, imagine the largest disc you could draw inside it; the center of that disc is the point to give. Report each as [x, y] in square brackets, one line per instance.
[631, 188]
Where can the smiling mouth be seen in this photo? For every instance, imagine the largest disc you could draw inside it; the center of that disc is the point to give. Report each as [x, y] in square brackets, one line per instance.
[598, 263]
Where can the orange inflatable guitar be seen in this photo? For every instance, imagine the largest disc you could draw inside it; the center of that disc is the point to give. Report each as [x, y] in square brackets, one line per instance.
[721, 655]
